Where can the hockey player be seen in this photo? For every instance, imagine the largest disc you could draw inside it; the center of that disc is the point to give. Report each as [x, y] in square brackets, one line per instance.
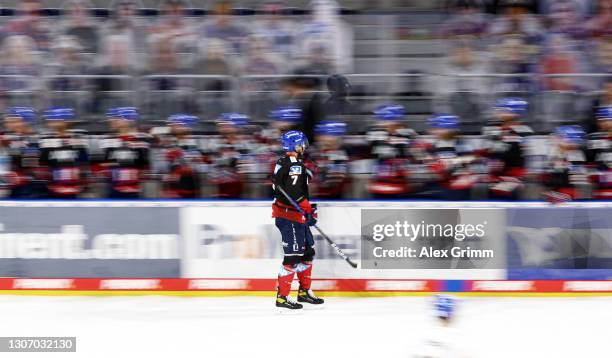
[599, 154]
[292, 176]
[113, 118]
[566, 169]
[442, 340]
[449, 159]
[331, 171]
[64, 153]
[25, 175]
[389, 145]
[230, 162]
[126, 154]
[444, 308]
[505, 148]
[18, 120]
[283, 119]
[184, 158]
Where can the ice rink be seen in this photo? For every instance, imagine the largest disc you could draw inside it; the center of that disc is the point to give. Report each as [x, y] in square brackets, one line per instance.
[158, 326]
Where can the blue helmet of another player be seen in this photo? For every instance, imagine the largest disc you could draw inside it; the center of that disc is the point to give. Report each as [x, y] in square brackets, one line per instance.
[444, 306]
[129, 114]
[444, 121]
[112, 112]
[287, 114]
[511, 105]
[571, 134]
[390, 112]
[335, 129]
[26, 114]
[604, 113]
[183, 120]
[293, 141]
[59, 114]
[234, 119]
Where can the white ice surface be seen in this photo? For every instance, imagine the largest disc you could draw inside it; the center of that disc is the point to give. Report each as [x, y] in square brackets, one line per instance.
[248, 327]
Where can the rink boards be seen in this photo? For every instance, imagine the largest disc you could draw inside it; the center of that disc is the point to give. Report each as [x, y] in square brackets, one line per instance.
[200, 248]
[327, 287]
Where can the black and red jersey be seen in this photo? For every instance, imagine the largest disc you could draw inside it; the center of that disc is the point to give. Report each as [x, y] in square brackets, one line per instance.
[330, 174]
[65, 156]
[505, 144]
[293, 176]
[184, 162]
[125, 161]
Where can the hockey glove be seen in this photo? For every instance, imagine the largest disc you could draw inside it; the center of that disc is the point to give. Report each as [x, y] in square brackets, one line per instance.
[311, 219]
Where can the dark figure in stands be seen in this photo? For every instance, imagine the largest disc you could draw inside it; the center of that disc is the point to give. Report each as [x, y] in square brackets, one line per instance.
[301, 93]
[339, 89]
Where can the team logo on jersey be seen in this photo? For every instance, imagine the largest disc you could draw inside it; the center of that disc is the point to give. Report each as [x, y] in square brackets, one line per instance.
[295, 170]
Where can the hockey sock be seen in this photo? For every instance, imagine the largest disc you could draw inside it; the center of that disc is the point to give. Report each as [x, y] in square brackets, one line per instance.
[285, 277]
[304, 271]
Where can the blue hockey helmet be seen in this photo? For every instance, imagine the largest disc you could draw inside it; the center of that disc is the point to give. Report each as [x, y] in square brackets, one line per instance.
[604, 113]
[113, 112]
[127, 113]
[444, 121]
[235, 119]
[287, 114]
[25, 113]
[390, 112]
[183, 120]
[513, 105]
[335, 129]
[444, 306]
[293, 139]
[572, 134]
[59, 114]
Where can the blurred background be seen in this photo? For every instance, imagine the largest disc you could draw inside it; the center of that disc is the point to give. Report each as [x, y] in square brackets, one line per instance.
[445, 100]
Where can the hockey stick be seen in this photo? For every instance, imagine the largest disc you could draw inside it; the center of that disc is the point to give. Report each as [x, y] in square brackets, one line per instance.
[331, 243]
